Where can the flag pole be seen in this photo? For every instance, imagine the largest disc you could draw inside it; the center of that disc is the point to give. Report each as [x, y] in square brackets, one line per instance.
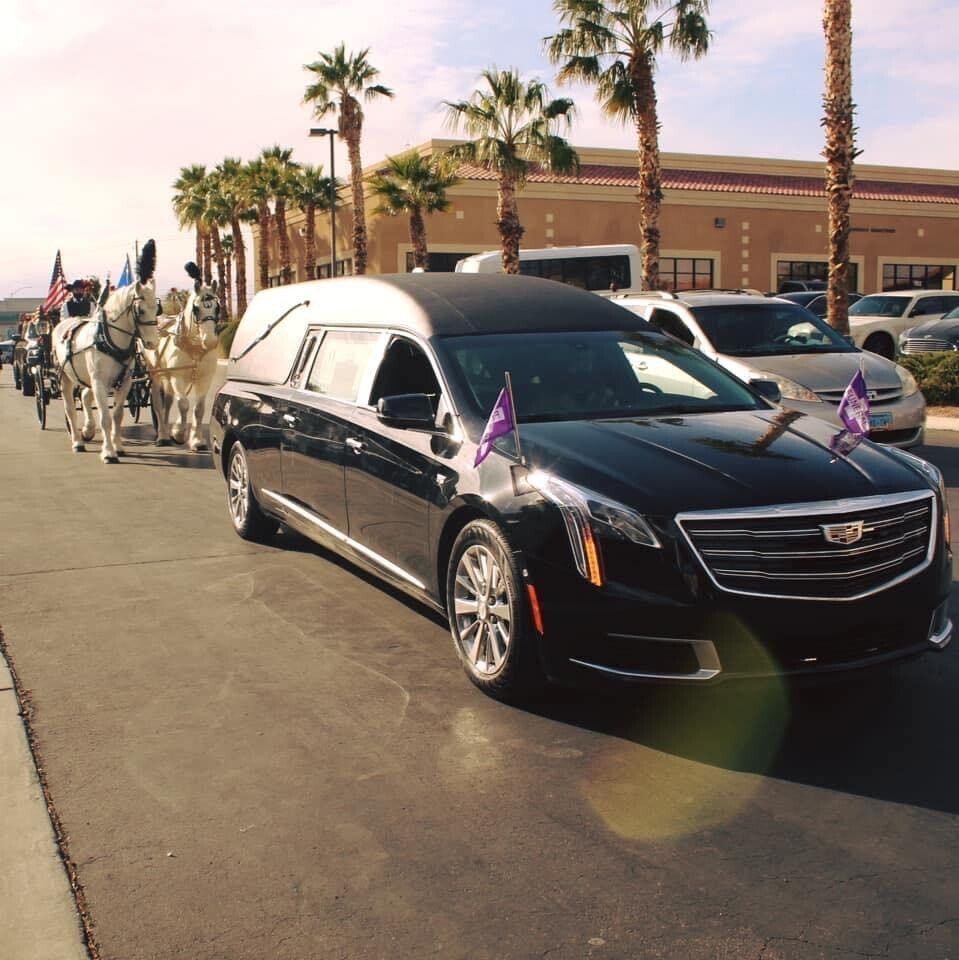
[512, 407]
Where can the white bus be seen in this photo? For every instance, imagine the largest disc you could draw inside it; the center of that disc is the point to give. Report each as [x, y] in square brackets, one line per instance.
[614, 266]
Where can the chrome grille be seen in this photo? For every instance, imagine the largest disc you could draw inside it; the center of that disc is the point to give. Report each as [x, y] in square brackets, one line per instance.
[882, 395]
[924, 345]
[783, 551]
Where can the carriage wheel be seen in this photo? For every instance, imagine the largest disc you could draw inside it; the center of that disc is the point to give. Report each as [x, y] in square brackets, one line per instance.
[133, 402]
[40, 397]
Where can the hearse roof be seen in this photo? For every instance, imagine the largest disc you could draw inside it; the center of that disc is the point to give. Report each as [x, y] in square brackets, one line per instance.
[440, 304]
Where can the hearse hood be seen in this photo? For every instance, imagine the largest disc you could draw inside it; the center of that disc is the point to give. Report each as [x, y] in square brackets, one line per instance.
[666, 465]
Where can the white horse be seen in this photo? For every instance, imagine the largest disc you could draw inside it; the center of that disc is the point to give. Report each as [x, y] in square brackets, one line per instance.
[96, 356]
[183, 366]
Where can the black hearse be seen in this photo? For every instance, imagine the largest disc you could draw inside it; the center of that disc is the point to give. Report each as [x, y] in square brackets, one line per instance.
[658, 520]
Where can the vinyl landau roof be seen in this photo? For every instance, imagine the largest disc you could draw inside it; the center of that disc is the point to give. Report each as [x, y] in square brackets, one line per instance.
[440, 304]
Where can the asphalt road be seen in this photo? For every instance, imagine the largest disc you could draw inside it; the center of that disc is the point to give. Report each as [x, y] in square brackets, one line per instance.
[258, 752]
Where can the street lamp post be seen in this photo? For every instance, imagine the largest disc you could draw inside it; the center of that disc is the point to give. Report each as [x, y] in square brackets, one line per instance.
[324, 132]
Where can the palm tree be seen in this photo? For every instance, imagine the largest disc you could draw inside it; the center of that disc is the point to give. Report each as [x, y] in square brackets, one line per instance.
[279, 170]
[511, 126]
[340, 79]
[312, 192]
[230, 174]
[256, 192]
[188, 202]
[415, 185]
[614, 45]
[216, 214]
[840, 153]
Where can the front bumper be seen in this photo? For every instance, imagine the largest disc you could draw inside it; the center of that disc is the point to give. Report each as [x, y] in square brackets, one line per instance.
[618, 634]
[907, 418]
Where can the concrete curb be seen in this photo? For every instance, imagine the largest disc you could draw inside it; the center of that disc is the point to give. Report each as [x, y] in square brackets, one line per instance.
[38, 914]
[942, 423]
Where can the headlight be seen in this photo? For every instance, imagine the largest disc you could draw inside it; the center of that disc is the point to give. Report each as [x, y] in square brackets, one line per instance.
[934, 475]
[588, 514]
[789, 389]
[908, 381]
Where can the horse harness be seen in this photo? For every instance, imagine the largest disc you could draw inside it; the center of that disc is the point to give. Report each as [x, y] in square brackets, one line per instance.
[182, 340]
[104, 343]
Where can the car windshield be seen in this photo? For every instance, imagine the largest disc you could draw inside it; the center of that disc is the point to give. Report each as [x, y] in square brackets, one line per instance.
[767, 330]
[591, 375]
[953, 314]
[878, 306]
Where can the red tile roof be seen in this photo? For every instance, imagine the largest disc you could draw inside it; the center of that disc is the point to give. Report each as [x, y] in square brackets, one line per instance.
[600, 175]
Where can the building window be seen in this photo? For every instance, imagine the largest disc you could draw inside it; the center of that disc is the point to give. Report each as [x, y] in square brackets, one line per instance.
[813, 272]
[685, 273]
[438, 262]
[344, 268]
[274, 281]
[918, 276]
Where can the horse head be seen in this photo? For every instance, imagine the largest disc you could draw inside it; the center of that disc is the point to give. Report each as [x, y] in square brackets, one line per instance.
[202, 311]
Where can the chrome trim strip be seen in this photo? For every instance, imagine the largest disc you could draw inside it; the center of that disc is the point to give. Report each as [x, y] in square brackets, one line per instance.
[807, 531]
[816, 554]
[704, 650]
[822, 508]
[941, 640]
[825, 574]
[343, 538]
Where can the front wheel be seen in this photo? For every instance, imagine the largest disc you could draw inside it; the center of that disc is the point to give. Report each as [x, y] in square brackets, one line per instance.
[249, 521]
[488, 617]
[40, 397]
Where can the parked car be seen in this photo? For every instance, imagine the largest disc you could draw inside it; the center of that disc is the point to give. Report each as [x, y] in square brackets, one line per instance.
[26, 349]
[933, 336]
[796, 286]
[6, 351]
[657, 520]
[774, 339]
[877, 321]
[814, 300]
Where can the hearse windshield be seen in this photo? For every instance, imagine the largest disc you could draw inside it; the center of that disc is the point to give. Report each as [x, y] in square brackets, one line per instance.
[768, 330]
[592, 375]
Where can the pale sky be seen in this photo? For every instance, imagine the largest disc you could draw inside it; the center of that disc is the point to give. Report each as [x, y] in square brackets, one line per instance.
[103, 101]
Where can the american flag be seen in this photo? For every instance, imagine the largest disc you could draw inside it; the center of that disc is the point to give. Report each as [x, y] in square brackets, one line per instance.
[58, 288]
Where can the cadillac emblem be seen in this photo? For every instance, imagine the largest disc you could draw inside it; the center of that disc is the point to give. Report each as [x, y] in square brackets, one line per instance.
[843, 533]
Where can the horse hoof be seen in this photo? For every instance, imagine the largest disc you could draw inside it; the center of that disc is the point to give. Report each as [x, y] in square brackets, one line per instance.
[88, 435]
[166, 442]
[111, 459]
[79, 448]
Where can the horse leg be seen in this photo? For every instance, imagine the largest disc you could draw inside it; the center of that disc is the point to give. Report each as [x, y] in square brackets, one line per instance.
[108, 452]
[86, 401]
[196, 440]
[158, 399]
[119, 405]
[179, 428]
[70, 412]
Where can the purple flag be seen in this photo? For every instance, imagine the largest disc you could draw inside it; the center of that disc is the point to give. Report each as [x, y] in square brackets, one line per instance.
[499, 424]
[854, 406]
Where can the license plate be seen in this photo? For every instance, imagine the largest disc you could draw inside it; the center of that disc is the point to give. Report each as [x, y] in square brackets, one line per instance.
[879, 420]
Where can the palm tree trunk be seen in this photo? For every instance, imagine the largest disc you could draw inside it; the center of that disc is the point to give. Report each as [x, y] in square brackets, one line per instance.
[227, 298]
[310, 240]
[218, 256]
[650, 192]
[199, 246]
[507, 221]
[263, 254]
[283, 236]
[418, 239]
[239, 251]
[840, 153]
[352, 131]
[207, 258]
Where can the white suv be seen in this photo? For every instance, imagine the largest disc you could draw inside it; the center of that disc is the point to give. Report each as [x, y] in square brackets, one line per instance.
[877, 321]
[766, 338]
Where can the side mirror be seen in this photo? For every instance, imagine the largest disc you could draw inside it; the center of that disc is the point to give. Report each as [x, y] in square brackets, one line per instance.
[768, 389]
[407, 411]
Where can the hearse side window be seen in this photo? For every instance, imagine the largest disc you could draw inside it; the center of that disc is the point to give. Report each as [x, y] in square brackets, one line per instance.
[306, 355]
[341, 362]
[405, 369]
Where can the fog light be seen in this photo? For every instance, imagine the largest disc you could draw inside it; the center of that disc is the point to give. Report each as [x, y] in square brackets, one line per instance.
[940, 627]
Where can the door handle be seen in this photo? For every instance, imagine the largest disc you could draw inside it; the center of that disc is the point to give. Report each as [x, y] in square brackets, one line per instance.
[290, 419]
[355, 445]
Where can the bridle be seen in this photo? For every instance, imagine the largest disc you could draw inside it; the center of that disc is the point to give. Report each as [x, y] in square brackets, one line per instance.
[105, 343]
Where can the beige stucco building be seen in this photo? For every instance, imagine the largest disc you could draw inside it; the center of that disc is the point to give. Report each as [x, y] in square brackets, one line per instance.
[726, 221]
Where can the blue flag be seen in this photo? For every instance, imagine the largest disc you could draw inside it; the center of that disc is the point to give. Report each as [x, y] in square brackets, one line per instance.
[854, 406]
[126, 277]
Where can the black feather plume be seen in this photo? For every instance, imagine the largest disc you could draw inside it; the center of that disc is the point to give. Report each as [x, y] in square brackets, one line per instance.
[193, 270]
[147, 262]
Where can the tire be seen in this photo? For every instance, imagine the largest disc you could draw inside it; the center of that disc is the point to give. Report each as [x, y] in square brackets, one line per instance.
[881, 344]
[503, 664]
[26, 383]
[16, 377]
[133, 403]
[249, 521]
[41, 401]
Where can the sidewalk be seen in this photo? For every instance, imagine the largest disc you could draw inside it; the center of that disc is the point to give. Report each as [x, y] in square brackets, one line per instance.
[941, 421]
[38, 915]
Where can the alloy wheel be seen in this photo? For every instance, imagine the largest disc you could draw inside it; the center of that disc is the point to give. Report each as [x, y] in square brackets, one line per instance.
[481, 610]
[239, 488]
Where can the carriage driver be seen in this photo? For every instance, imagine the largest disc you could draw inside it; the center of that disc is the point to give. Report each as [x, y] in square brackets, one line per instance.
[79, 303]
